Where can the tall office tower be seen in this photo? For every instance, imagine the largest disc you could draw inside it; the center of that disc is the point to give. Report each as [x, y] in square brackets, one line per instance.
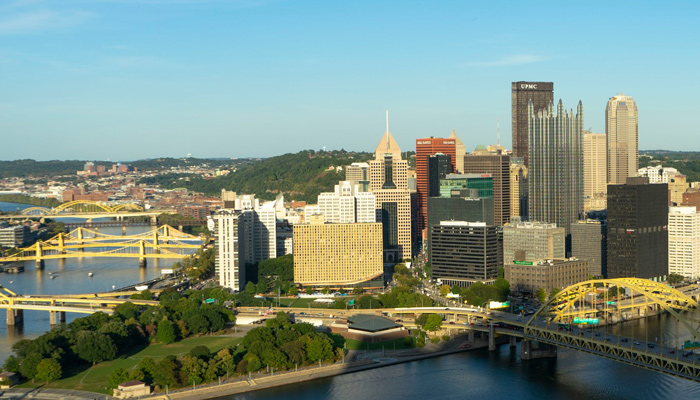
[677, 184]
[229, 260]
[555, 171]
[462, 253]
[498, 166]
[540, 94]
[347, 204]
[684, 242]
[387, 158]
[518, 188]
[359, 174]
[424, 149]
[338, 255]
[460, 151]
[622, 128]
[532, 241]
[389, 185]
[637, 229]
[439, 166]
[589, 242]
[595, 181]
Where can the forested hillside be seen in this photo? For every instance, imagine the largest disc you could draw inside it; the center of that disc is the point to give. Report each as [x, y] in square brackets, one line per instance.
[300, 176]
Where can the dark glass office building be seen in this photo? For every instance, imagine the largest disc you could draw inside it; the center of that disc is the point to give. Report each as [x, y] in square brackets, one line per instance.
[498, 166]
[541, 94]
[462, 253]
[637, 229]
[439, 165]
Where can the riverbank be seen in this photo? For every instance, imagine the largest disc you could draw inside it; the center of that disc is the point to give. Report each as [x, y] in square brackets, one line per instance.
[356, 361]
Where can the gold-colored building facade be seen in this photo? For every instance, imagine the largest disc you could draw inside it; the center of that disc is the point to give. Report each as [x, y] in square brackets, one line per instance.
[337, 255]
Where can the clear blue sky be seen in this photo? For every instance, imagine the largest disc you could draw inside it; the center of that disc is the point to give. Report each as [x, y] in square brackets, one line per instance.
[131, 79]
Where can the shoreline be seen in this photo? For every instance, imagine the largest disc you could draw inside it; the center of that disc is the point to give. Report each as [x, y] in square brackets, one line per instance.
[388, 358]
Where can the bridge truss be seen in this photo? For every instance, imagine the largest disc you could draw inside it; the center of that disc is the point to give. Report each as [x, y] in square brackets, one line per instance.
[81, 207]
[162, 242]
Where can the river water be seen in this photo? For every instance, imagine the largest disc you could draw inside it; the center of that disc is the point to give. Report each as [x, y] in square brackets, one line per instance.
[71, 276]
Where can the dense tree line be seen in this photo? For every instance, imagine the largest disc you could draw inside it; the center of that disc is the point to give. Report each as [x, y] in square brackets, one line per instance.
[35, 201]
[279, 345]
[299, 176]
[100, 337]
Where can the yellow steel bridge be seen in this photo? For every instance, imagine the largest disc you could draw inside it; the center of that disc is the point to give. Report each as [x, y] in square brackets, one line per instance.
[162, 242]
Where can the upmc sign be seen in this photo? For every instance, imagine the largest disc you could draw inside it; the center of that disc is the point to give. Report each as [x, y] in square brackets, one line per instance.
[540, 86]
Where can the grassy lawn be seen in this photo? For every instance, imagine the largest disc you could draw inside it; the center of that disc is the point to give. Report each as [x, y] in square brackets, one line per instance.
[96, 379]
[401, 343]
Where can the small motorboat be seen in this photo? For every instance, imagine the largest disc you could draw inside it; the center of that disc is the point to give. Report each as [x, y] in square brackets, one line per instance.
[90, 274]
[53, 276]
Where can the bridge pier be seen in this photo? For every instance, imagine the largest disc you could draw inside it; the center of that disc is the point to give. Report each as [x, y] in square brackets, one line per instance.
[143, 263]
[470, 336]
[124, 230]
[52, 318]
[15, 317]
[530, 350]
[39, 264]
[513, 341]
[154, 220]
[492, 338]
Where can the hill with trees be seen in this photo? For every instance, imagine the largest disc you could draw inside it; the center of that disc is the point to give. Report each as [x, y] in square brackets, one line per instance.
[686, 162]
[299, 176]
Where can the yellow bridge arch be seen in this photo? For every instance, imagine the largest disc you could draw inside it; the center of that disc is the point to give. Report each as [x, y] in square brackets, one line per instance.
[603, 299]
[81, 206]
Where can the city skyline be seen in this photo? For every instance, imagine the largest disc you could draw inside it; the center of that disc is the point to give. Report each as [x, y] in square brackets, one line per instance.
[94, 78]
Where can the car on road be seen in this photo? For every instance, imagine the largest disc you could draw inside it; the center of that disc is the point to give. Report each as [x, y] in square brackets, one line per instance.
[650, 345]
[637, 342]
[624, 339]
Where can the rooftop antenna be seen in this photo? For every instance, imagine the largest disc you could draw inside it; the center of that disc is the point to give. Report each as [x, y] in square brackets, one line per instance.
[498, 131]
[387, 130]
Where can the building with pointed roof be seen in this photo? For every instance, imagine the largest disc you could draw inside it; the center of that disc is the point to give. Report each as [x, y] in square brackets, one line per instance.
[460, 151]
[555, 176]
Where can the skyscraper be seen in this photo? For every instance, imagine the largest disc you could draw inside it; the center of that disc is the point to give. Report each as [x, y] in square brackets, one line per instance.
[424, 149]
[498, 166]
[439, 166]
[518, 188]
[389, 184]
[460, 151]
[555, 176]
[229, 257]
[540, 94]
[346, 204]
[622, 128]
[637, 229]
[595, 181]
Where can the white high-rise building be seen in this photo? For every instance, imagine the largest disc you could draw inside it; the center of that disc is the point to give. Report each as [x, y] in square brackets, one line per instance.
[346, 205]
[230, 269]
[259, 235]
[684, 242]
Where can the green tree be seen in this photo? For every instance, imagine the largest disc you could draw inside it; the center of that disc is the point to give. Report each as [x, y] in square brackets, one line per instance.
[456, 290]
[95, 347]
[164, 373]
[48, 370]
[118, 376]
[444, 289]
[166, 332]
[293, 291]
[202, 352]
[553, 292]
[675, 279]
[433, 323]
[28, 365]
[11, 364]
[541, 295]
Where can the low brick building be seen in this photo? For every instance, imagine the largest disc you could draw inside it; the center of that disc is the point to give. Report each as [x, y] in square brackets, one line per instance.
[528, 276]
